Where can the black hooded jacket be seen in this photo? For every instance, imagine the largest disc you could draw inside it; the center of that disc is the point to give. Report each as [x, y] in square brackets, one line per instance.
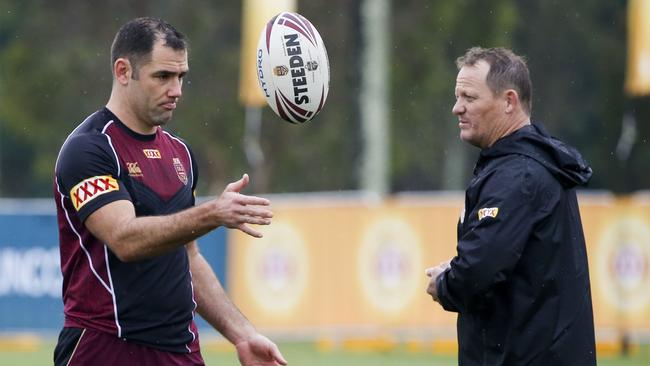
[520, 280]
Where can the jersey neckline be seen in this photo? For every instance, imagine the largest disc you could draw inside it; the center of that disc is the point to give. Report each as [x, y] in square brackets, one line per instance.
[129, 131]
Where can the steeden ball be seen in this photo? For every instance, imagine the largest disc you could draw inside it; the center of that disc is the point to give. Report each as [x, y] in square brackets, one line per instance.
[292, 67]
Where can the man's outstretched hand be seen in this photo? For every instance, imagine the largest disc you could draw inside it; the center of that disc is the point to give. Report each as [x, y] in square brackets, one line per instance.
[237, 211]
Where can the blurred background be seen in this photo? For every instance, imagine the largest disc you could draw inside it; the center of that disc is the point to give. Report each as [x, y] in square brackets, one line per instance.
[367, 194]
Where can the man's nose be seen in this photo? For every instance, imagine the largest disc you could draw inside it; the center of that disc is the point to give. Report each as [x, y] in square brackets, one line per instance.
[458, 108]
[175, 90]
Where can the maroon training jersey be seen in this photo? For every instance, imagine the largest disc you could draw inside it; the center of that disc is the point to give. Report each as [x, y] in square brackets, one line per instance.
[151, 301]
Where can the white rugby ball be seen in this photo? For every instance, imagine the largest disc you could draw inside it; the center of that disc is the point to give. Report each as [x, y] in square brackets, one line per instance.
[292, 67]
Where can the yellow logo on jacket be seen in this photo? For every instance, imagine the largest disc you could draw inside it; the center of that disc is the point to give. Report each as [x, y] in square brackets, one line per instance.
[488, 212]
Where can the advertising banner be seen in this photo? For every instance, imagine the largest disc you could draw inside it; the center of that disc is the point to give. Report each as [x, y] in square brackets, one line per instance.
[358, 265]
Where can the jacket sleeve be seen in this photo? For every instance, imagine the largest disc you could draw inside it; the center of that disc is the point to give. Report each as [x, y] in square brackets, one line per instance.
[493, 237]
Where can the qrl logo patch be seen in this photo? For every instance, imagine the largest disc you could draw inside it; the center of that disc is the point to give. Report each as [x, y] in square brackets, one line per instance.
[488, 212]
[180, 170]
[90, 188]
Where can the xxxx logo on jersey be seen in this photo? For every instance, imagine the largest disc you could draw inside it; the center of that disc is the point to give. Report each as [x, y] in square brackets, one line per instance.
[152, 153]
[90, 188]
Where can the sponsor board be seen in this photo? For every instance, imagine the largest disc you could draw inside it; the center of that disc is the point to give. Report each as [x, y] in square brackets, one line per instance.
[277, 268]
[390, 264]
[623, 264]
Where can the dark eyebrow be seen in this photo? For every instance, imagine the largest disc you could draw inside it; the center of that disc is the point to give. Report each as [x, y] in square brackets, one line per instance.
[169, 73]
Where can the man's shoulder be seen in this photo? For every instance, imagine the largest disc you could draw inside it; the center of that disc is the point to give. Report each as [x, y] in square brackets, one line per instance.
[518, 163]
[519, 171]
[86, 144]
[89, 131]
[81, 143]
[95, 123]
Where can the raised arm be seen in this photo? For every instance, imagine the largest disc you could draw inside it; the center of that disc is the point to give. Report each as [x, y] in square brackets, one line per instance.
[133, 238]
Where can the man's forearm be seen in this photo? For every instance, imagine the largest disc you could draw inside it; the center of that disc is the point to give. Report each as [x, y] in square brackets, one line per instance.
[133, 238]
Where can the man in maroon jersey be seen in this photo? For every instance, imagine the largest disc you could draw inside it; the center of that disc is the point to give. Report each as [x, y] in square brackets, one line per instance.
[124, 189]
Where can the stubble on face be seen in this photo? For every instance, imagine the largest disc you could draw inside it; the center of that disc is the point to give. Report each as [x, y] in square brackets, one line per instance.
[159, 84]
[476, 105]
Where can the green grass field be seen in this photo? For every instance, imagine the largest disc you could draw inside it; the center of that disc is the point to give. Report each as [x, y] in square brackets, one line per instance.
[307, 354]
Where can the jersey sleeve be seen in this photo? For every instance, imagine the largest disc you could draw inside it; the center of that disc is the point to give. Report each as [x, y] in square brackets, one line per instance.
[88, 174]
[195, 173]
[497, 232]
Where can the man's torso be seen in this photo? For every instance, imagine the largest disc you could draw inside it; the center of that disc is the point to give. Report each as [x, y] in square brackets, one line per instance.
[148, 301]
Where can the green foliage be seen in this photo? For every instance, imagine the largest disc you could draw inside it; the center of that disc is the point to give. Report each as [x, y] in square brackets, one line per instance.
[54, 71]
[577, 62]
[428, 37]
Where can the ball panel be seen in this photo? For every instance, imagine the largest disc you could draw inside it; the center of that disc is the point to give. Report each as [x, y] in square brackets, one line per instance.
[280, 111]
[298, 114]
[308, 25]
[292, 22]
[323, 95]
[269, 26]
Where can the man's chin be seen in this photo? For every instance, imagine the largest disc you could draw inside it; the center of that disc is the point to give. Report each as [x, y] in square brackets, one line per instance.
[162, 119]
[465, 137]
[468, 138]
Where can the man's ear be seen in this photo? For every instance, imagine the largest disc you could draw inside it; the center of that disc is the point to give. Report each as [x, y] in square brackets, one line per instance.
[122, 70]
[511, 100]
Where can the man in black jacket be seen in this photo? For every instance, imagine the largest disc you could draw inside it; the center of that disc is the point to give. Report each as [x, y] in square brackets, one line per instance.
[520, 280]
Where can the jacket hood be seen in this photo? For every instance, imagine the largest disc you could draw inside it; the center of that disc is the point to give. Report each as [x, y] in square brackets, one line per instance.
[563, 161]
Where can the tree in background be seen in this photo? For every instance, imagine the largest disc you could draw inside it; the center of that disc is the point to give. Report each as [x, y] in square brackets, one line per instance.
[54, 71]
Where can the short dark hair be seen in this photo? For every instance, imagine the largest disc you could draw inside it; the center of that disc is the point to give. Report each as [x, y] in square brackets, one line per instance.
[136, 38]
[507, 70]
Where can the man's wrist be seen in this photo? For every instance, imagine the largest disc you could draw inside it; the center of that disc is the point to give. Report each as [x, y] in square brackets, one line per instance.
[437, 281]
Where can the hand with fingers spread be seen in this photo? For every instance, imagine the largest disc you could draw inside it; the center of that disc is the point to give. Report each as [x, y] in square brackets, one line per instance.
[235, 210]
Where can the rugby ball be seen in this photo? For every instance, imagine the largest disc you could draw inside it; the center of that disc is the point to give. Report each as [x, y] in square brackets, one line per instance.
[292, 67]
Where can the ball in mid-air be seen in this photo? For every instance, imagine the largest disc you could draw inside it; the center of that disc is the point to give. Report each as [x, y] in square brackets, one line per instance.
[292, 67]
